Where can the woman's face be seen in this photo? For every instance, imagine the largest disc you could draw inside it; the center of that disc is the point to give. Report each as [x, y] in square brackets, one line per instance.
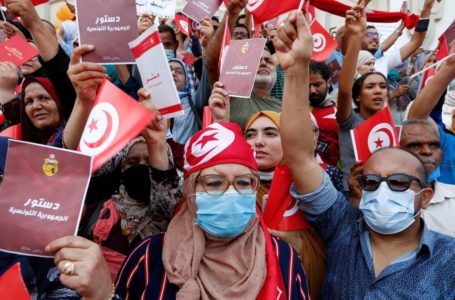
[373, 93]
[30, 66]
[366, 67]
[264, 136]
[178, 74]
[40, 108]
[138, 154]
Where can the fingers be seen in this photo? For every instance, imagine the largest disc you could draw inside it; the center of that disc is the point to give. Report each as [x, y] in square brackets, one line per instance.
[79, 51]
[144, 95]
[69, 242]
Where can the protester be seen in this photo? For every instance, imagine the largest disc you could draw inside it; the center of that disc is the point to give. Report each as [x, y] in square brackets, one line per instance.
[369, 93]
[189, 262]
[384, 243]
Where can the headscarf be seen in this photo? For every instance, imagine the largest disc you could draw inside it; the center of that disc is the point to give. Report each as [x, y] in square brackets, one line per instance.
[71, 32]
[29, 132]
[185, 92]
[266, 177]
[205, 267]
[136, 217]
[364, 57]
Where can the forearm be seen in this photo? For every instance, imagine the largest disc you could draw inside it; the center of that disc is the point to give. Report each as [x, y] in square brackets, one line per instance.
[344, 107]
[428, 97]
[392, 38]
[158, 156]
[297, 131]
[45, 41]
[418, 37]
[76, 124]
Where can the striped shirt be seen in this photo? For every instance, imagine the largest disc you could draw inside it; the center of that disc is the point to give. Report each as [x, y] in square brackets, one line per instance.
[143, 276]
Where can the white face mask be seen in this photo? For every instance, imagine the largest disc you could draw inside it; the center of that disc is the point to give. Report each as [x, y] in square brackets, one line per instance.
[386, 211]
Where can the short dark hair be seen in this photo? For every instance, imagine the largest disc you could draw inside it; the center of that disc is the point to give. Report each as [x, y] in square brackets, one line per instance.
[244, 27]
[215, 18]
[242, 16]
[357, 86]
[371, 27]
[320, 68]
[166, 28]
[426, 122]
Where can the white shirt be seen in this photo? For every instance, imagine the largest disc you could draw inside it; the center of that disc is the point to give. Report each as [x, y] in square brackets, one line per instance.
[390, 60]
[440, 214]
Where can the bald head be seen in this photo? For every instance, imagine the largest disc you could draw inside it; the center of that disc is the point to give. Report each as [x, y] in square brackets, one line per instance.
[388, 161]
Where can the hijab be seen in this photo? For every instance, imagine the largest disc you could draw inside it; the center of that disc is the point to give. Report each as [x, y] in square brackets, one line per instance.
[29, 132]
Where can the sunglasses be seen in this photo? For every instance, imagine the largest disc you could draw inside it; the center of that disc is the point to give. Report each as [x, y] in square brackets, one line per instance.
[371, 35]
[396, 182]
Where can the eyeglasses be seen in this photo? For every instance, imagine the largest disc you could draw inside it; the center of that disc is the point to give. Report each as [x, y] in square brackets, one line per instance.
[371, 35]
[396, 182]
[178, 71]
[217, 185]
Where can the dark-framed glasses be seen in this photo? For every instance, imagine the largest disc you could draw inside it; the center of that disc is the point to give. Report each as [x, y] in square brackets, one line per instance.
[396, 182]
[217, 185]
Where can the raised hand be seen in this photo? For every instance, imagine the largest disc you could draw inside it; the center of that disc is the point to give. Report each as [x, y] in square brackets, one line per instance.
[294, 42]
[207, 32]
[356, 19]
[219, 103]
[86, 77]
[25, 10]
[8, 80]
[235, 6]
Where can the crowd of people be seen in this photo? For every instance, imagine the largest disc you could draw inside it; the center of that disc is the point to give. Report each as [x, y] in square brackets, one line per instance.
[177, 214]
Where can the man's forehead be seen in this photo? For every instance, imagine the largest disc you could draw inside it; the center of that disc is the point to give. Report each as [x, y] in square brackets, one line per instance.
[392, 160]
[418, 132]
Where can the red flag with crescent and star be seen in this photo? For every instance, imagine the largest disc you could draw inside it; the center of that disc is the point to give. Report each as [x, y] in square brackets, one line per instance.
[376, 132]
[323, 43]
[115, 119]
[445, 41]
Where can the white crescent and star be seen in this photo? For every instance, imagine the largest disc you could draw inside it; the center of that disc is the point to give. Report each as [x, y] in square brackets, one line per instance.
[382, 135]
[101, 129]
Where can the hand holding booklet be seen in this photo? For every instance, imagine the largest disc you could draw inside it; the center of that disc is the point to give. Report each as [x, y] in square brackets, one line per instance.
[155, 73]
[50, 205]
[240, 66]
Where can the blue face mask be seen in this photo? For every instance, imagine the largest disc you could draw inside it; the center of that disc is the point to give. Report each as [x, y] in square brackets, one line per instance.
[434, 175]
[226, 215]
[169, 53]
[386, 211]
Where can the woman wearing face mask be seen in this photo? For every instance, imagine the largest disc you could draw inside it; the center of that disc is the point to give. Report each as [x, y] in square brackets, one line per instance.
[216, 246]
[369, 93]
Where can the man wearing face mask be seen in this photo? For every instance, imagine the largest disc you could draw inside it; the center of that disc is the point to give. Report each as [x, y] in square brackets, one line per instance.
[382, 250]
[324, 110]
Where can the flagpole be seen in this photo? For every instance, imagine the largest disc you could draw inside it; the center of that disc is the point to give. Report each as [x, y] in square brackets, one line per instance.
[436, 64]
[3, 14]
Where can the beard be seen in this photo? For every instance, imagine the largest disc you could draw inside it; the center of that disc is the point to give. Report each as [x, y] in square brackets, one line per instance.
[265, 81]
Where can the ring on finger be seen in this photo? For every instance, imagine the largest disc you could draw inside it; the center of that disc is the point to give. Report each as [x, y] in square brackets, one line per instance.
[68, 268]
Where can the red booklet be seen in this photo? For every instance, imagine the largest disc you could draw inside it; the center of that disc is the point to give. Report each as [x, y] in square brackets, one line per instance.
[240, 66]
[199, 9]
[17, 50]
[109, 26]
[50, 205]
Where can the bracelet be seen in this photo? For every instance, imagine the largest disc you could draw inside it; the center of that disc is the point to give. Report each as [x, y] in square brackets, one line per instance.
[422, 25]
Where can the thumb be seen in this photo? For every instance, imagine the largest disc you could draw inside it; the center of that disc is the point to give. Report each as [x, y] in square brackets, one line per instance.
[79, 51]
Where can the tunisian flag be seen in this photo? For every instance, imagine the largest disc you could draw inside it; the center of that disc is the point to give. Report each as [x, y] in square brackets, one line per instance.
[281, 210]
[12, 285]
[323, 43]
[34, 2]
[115, 119]
[376, 132]
[14, 132]
[264, 10]
[427, 76]
[445, 41]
